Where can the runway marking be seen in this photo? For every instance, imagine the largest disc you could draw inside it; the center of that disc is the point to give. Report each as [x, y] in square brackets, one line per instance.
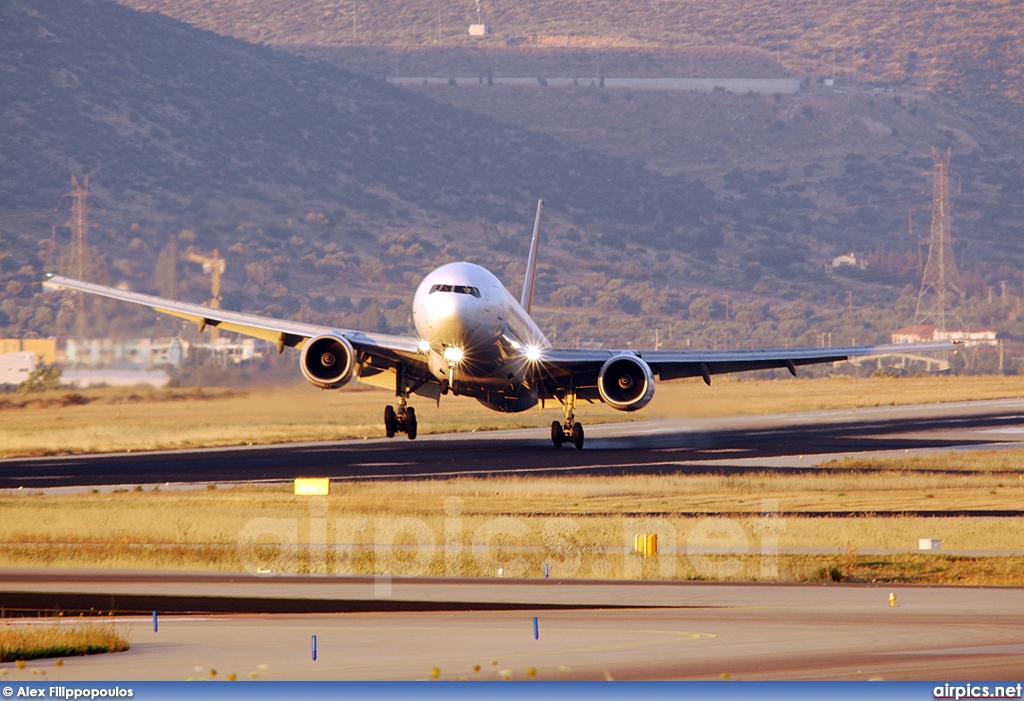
[380, 464]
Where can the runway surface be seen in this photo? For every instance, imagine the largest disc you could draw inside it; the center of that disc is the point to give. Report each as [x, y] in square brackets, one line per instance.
[394, 628]
[785, 441]
[679, 631]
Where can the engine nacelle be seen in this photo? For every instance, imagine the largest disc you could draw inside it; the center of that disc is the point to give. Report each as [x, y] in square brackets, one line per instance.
[626, 383]
[328, 361]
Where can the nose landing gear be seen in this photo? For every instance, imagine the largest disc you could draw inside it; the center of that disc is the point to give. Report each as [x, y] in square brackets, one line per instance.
[570, 431]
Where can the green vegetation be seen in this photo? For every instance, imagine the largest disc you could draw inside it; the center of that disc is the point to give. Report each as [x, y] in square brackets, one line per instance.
[41, 380]
[31, 640]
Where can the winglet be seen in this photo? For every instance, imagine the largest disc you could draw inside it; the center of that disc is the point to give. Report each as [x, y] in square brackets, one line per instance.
[531, 262]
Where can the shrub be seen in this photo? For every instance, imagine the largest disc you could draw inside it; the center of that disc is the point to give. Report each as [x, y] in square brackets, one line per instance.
[41, 380]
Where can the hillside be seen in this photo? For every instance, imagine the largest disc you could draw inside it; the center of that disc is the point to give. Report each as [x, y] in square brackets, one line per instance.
[305, 171]
[329, 192]
[972, 45]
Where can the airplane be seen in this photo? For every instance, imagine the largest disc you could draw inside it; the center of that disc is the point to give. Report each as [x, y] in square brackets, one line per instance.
[475, 339]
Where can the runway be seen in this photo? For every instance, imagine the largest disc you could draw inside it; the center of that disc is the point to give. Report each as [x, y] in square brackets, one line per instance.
[676, 631]
[785, 441]
[404, 628]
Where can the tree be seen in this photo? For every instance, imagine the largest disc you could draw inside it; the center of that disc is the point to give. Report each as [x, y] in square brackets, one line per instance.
[41, 380]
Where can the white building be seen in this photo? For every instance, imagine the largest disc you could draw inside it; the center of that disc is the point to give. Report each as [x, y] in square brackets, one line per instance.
[138, 352]
[965, 337]
[849, 260]
[969, 337]
[236, 352]
[914, 334]
[16, 367]
[148, 353]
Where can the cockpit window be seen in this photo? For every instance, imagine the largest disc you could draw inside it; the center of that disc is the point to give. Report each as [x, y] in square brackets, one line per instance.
[457, 289]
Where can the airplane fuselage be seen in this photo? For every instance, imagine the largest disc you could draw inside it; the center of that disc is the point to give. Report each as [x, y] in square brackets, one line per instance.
[477, 334]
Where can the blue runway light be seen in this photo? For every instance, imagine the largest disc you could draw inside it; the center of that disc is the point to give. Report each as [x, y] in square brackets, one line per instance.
[314, 648]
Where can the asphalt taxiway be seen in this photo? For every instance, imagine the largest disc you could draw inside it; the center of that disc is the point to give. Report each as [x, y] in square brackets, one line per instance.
[619, 630]
[783, 441]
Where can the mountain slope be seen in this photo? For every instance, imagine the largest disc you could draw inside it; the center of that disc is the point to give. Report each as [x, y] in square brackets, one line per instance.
[329, 194]
[154, 109]
[972, 45]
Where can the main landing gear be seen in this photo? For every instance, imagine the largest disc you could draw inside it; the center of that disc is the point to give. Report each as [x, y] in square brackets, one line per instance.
[401, 421]
[570, 431]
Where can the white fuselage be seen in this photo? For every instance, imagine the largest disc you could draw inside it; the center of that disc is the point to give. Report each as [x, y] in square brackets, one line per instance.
[476, 331]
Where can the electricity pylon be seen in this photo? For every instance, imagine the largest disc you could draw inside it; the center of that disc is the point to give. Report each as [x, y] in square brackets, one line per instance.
[77, 266]
[941, 279]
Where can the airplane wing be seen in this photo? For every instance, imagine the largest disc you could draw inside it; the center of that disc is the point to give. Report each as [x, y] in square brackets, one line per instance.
[381, 351]
[558, 365]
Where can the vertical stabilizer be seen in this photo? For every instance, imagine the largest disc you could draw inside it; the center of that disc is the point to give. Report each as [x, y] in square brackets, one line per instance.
[531, 262]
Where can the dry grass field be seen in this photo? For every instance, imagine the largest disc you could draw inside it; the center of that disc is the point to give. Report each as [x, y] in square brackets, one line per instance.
[110, 420]
[56, 638]
[757, 526]
[738, 527]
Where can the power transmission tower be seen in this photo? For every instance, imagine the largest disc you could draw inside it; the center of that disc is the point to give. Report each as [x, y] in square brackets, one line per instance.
[79, 223]
[941, 278]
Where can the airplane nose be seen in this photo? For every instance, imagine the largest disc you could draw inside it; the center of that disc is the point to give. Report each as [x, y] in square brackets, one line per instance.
[451, 315]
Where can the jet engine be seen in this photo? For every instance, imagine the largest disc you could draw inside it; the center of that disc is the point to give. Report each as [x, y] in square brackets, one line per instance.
[626, 383]
[328, 361]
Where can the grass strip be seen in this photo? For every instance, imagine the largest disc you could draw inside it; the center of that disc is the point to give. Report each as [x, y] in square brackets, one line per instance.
[1010, 461]
[33, 641]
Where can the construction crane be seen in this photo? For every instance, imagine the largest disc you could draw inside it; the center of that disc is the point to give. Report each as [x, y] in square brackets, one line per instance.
[215, 266]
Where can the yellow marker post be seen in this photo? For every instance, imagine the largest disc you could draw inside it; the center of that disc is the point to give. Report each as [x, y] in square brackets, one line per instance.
[892, 598]
[646, 544]
[312, 486]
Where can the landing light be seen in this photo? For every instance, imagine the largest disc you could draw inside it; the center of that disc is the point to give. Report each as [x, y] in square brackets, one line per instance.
[424, 346]
[533, 354]
[453, 355]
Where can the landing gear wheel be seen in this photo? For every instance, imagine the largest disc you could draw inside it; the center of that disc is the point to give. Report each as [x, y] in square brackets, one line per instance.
[410, 422]
[390, 421]
[557, 436]
[577, 436]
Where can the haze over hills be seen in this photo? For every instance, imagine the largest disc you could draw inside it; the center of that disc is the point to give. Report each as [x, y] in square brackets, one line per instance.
[178, 128]
[968, 45]
[330, 192]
